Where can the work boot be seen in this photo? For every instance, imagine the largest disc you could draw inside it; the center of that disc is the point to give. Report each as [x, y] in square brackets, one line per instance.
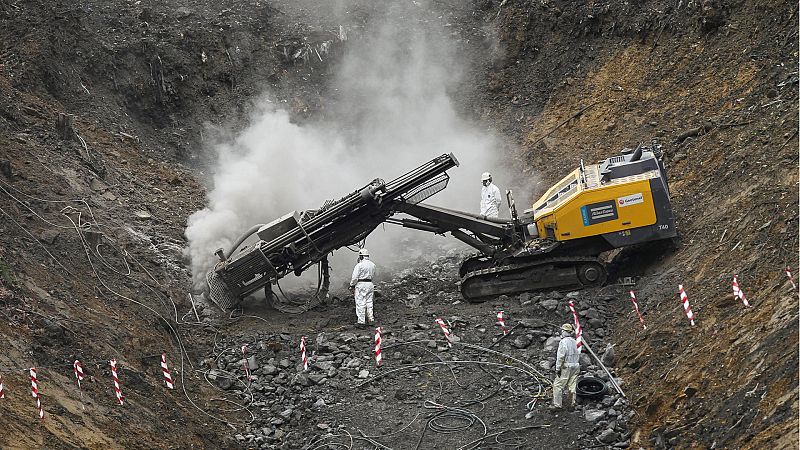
[360, 325]
[570, 402]
[557, 398]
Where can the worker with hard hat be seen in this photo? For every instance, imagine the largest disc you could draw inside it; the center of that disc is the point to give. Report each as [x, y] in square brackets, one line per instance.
[567, 367]
[363, 289]
[490, 196]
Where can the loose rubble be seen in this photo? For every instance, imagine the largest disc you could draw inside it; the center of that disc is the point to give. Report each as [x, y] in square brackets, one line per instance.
[284, 399]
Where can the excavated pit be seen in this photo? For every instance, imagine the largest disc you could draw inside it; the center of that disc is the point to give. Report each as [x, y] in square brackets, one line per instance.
[93, 216]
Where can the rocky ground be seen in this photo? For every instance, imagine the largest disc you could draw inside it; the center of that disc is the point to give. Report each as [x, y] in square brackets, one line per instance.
[485, 391]
[92, 229]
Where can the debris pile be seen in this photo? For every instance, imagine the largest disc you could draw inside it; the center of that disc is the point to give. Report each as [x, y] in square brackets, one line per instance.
[494, 382]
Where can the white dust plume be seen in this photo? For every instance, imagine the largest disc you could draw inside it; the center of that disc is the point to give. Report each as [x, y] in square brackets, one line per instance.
[393, 111]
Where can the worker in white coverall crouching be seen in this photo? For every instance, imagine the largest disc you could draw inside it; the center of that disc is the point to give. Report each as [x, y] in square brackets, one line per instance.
[567, 367]
[362, 287]
[490, 196]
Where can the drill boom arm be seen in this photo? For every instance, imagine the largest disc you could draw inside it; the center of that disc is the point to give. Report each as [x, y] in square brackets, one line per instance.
[297, 241]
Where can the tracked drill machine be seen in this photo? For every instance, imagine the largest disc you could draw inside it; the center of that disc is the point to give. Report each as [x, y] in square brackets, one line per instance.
[298, 241]
[556, 244]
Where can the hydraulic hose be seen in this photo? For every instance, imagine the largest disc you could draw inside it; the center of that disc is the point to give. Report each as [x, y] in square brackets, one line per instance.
[242, 238]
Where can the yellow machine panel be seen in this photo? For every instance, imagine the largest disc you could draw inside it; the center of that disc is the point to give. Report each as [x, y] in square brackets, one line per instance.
[584, 210]
[619, 202]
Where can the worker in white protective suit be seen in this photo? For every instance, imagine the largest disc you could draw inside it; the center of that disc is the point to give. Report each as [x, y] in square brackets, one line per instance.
[490, 196]
[363, 289]
[567, 367]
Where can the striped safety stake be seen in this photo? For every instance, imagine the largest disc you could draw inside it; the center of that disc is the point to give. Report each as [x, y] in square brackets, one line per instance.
[502, 322]
[685, 301]
[303, 358]
[78, 371]
[165, 369]
[246, 364]
[117, 390]
[378, 357]
[789, 274]
[2, 392]
[35, 393]
[444, 330]
[636, 307]
[578, 329]
[738, 293]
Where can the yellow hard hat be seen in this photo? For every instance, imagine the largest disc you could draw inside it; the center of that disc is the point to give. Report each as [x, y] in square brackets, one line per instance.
[568, 327]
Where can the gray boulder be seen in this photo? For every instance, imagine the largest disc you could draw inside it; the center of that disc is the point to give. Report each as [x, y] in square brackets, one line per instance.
[549, 304]
[316, 378]
[551, 343]
[608, 436]
[324, 366]
[521, 342]
[609, 357]
[593, 415]
[252, 363]
[220, 379]
[532, 323]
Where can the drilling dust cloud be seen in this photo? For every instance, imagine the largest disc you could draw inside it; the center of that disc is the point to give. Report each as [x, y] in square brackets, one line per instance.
[393, 112]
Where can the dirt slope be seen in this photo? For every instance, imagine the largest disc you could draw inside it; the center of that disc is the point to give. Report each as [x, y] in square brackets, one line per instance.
[716, 82]
[105, 195]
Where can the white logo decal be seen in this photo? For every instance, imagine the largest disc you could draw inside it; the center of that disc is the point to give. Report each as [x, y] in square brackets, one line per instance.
[630, 200]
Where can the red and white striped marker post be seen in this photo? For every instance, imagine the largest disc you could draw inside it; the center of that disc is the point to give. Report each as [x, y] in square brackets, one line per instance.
[636, 307]
[117, 390]
[2, 392]
[789, 274]
[35, 393]
[444, 330]
[246, 364]
[738, 293]
[165, 369]
[378, 356]
[502, 322]
[685, 301]
[578, 329]
[78, 371]
[303, 352]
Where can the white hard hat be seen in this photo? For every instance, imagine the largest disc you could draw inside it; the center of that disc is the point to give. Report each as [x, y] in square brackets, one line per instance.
[486, 176]
[363, 252]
